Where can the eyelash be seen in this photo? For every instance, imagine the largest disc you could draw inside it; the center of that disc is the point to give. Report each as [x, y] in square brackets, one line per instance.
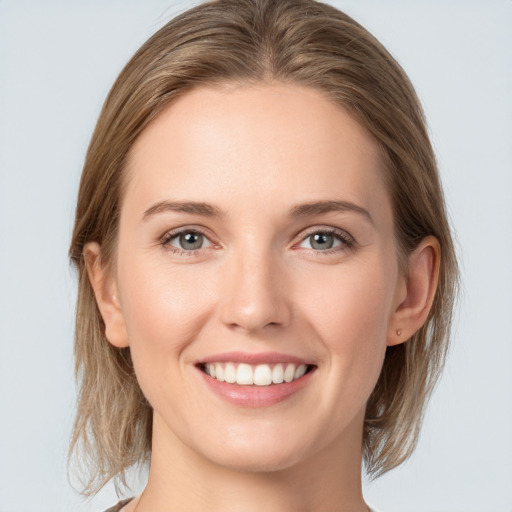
[347, 241]
[165, 241]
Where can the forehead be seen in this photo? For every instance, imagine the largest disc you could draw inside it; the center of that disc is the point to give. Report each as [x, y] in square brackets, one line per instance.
[254, 142]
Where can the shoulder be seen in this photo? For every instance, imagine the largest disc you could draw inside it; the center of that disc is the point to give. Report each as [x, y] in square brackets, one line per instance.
[119, 506]
[122, 503]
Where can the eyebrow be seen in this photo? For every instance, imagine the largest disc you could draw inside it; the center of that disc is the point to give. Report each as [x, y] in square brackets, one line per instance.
[319, 207]
[300, 210]
[192, 207]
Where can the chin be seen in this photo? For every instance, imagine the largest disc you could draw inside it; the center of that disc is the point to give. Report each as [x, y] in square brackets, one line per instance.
[257, 453]
[256, 460]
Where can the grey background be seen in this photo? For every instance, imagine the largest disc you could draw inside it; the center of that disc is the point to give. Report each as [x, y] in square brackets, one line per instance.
[57, 62]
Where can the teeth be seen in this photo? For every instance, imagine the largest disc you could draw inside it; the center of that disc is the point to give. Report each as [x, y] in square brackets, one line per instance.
[219, 372]
[258, 375]
[263, 375]
[210, 370]
[244, 375]
[289, 373]
[299, 372]
[230, 373]
[278, 374]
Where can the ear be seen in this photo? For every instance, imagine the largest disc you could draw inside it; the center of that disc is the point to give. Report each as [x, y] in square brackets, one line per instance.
[418, 292]
[107, 298]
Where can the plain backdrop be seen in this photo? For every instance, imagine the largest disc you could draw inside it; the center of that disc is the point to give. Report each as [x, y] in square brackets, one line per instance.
[58, 60]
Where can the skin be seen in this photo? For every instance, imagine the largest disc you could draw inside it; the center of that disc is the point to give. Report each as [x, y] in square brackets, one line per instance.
[258, 284]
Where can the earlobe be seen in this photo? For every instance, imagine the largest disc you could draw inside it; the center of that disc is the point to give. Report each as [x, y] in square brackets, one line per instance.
[107, 298]
[420, 284]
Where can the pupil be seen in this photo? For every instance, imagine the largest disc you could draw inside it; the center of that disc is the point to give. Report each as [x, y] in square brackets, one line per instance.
[322, 241]
[191, 240]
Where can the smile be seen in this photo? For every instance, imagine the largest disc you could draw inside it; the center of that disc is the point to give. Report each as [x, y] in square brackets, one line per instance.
[244, 374]
[255, 380]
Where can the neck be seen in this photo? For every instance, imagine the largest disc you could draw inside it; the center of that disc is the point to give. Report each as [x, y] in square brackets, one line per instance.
[182, 480]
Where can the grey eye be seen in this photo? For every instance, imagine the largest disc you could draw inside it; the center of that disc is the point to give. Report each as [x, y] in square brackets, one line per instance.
[325, 240]
[322, 241]
[188, 240]
[191, 241]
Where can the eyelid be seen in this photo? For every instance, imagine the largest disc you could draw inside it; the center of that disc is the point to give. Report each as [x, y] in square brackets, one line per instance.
[321, 228]
[169, 235]
[347, 240]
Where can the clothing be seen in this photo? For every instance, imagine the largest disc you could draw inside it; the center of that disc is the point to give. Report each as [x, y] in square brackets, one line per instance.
[121, 504]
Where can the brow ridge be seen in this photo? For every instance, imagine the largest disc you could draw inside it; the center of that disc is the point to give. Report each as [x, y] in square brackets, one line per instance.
[192, 207]
[300, 210]
[319, 207]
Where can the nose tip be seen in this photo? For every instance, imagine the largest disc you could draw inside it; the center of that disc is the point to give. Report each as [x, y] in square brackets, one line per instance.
[255, 297]
[251, 317]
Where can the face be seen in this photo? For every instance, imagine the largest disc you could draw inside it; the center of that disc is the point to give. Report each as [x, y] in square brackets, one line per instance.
[256, 274]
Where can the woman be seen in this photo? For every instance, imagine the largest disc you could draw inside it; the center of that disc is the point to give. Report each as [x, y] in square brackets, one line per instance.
[266, 272]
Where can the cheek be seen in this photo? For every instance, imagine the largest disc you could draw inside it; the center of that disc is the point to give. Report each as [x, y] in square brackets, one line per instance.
[349, 315]
[164, 310]
[352, 304]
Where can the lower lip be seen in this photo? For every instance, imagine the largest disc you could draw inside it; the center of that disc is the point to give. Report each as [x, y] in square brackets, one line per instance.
[256, 396]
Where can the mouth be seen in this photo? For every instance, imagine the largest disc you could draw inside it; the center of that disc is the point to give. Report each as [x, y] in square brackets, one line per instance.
[256, 375]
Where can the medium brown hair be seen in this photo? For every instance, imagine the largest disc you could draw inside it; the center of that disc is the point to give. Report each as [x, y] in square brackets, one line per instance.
[246, 41]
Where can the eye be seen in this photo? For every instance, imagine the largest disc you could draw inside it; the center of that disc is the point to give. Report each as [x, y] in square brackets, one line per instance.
[185, 241]
[330, 240]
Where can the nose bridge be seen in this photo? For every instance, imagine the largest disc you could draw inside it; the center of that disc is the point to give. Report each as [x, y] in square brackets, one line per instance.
[255, 291]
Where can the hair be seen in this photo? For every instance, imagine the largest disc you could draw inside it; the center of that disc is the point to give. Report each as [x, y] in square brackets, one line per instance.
[300, 42]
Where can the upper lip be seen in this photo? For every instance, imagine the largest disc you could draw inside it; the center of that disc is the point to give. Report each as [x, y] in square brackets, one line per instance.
[254, 358]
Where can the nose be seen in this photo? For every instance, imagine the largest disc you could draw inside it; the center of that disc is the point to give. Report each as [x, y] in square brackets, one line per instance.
[254, 295]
